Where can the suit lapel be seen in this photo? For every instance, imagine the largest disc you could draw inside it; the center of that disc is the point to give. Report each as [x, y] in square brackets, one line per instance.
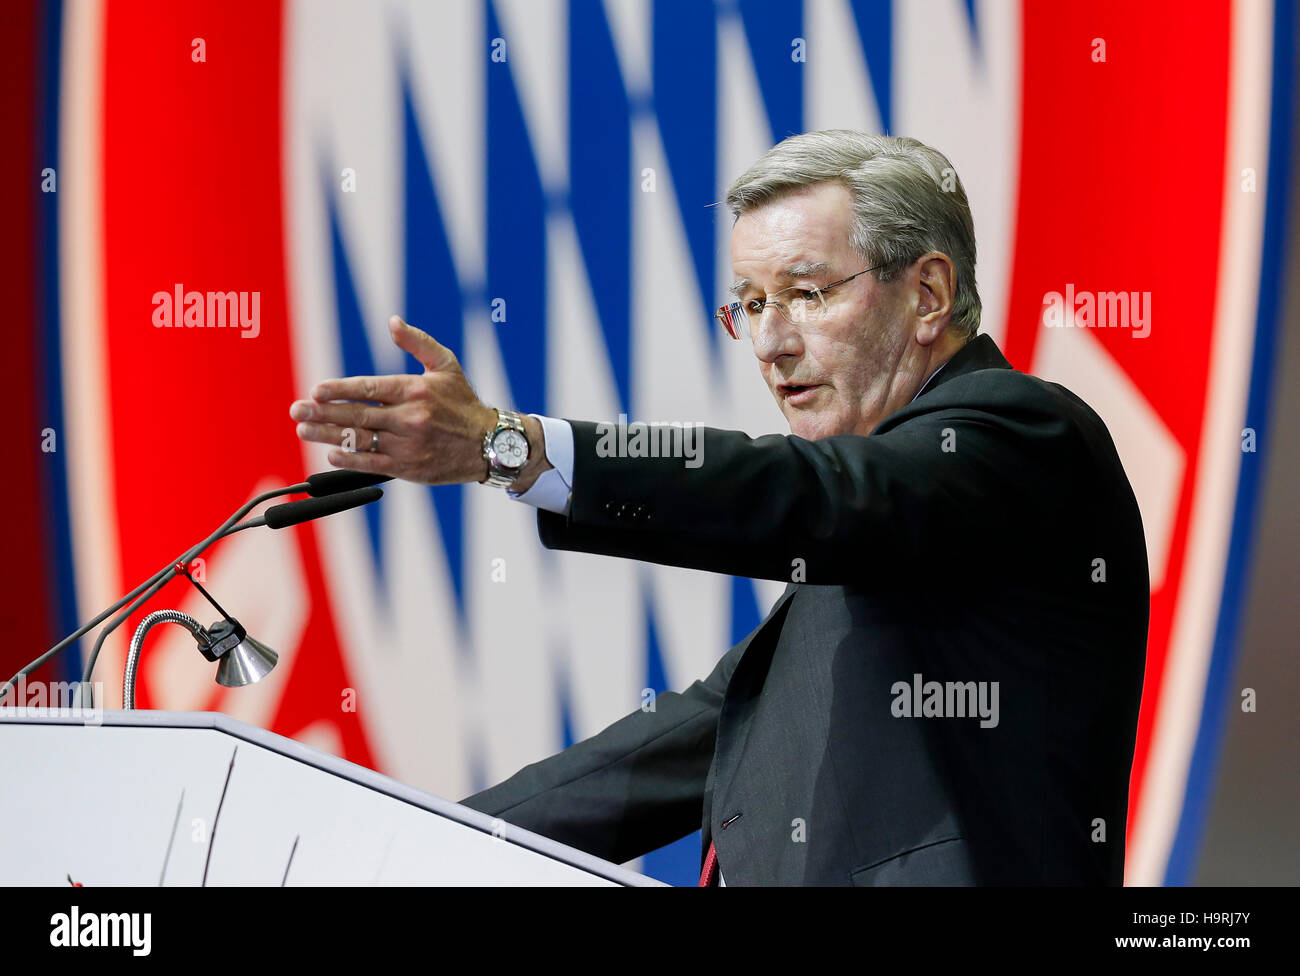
[738, 702]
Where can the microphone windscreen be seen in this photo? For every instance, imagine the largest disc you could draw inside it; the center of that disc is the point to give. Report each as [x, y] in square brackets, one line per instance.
[291, 513]
[326, 483]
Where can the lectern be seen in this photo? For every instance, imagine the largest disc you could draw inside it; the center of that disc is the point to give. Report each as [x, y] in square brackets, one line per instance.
[195, 798]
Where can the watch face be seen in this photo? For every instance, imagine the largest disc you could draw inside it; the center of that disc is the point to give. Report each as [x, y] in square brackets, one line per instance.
[511, 448]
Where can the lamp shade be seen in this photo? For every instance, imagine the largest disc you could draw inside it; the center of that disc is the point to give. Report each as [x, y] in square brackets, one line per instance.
[246, 663]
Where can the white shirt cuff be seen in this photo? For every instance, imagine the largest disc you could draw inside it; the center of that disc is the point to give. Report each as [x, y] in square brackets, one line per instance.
[551, 489]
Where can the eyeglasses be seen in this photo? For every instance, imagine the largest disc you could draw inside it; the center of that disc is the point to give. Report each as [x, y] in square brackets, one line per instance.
[802, 305]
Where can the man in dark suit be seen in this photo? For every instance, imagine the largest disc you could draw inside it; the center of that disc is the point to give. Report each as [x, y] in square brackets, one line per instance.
[947, 691]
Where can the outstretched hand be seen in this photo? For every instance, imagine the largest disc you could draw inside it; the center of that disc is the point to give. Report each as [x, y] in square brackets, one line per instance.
[427, 428]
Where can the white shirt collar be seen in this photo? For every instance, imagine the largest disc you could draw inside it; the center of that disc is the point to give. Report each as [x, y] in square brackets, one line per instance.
[927, 382]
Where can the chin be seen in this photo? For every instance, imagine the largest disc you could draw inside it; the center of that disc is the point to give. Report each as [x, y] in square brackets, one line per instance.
[811, 428]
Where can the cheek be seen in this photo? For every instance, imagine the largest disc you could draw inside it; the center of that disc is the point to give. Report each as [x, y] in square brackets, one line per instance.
[836, 362]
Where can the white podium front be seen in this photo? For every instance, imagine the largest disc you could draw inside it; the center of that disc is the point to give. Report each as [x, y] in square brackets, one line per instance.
[191, 798]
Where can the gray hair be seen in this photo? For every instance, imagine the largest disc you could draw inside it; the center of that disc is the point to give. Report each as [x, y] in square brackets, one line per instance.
[907, 201]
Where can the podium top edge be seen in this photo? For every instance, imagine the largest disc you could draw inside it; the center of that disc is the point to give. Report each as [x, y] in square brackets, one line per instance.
[362, 775]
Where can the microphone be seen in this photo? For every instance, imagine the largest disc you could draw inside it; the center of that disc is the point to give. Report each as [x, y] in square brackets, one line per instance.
[277, 517]
[340, 480]
[292, 513]
[333, 486]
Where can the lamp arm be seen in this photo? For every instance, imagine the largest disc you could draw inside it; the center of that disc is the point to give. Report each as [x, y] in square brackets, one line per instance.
[137, 643]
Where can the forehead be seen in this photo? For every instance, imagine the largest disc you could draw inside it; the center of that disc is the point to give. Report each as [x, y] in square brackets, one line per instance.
[810, 225]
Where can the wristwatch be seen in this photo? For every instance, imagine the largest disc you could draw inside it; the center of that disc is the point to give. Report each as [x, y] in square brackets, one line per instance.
[506, 449]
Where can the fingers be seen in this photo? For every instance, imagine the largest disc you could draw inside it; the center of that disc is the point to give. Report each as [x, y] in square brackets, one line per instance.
[348, 438]
[352, 449]
[360, 415]
[432, 354]
[369, 462]
[424, 347]
[373, 389]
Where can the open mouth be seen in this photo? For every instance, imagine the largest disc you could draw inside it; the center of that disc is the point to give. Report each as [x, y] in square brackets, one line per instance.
[796, 393]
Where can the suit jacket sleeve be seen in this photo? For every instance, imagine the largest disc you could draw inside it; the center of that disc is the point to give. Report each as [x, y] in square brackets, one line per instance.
[844, 509]
[630, 789]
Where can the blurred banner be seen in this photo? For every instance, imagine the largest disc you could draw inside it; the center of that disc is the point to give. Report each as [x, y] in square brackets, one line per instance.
[218, 204]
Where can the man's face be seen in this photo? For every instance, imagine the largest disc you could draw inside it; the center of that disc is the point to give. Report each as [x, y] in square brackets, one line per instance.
[842, 373]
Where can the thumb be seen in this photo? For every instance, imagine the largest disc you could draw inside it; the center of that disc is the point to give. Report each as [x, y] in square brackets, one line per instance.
[424, 347]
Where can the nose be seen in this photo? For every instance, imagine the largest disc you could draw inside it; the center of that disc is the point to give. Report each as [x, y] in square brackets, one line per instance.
[775, 336]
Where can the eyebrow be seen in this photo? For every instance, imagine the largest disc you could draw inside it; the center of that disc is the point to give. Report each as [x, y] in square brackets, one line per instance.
[805, 269]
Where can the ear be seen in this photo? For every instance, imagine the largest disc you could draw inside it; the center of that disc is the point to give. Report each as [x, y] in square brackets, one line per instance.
[935, 289]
